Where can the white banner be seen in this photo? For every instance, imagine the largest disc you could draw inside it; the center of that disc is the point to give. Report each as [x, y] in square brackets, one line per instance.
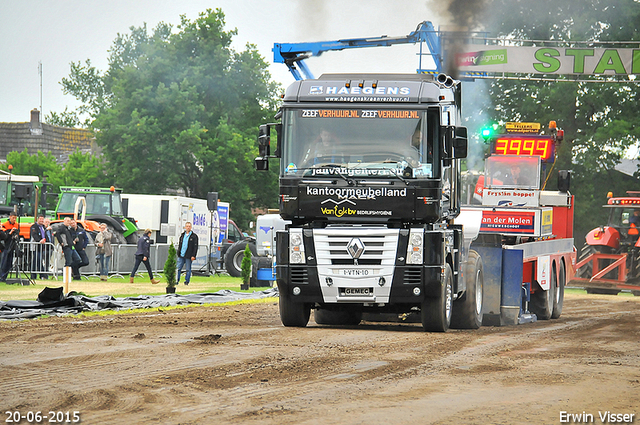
[549, 60]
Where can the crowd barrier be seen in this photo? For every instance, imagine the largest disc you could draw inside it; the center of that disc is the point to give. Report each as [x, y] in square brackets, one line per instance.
[47, 261]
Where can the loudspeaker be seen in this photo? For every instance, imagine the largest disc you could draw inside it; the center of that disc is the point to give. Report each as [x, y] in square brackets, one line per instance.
[212, 201]
[21, 190]
[564, 180]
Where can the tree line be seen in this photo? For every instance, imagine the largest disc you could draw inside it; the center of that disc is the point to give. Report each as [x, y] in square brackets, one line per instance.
[177, 110]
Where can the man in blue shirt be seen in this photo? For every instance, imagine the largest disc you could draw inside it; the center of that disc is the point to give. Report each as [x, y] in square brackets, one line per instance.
[187, 251]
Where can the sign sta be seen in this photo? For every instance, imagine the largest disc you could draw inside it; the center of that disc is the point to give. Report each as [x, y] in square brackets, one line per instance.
[550, 60]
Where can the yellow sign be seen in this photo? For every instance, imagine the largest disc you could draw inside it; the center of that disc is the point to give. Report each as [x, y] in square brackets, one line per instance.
[547, 221]
[522, 127]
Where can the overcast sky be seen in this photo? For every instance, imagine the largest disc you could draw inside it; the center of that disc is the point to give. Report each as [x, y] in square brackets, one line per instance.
[59, 32]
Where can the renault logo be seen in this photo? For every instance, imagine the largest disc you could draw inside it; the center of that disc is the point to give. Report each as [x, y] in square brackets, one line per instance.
[355, 248]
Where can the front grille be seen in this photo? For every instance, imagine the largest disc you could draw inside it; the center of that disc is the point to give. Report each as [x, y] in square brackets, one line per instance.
[379, 246]
[299, 276]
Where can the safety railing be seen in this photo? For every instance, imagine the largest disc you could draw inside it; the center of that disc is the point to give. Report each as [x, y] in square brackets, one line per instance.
[41, 261]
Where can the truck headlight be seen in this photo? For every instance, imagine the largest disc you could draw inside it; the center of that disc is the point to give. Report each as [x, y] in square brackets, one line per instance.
[296, 247]
[415, 247]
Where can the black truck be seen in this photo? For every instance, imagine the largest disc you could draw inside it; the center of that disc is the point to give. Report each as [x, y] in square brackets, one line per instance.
[370, 180]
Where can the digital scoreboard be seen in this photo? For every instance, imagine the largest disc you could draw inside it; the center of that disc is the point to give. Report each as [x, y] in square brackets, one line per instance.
[524, 145]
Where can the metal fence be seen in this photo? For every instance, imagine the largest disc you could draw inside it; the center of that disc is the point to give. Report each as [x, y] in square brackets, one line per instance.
[46, 260]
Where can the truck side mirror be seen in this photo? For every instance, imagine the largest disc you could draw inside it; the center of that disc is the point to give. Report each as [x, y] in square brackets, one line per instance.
[460, 142]
[264, 140]
[454, 142]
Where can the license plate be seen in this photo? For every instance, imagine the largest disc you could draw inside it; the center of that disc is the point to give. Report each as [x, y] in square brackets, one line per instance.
[355, 272]
[356, 292]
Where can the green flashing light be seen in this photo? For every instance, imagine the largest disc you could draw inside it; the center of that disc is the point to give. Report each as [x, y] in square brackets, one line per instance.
[489, 131]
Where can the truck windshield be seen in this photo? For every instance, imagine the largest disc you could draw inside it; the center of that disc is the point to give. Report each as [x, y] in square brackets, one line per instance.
[512, 172]
[625, 217]
[97, 203]
[361, 142]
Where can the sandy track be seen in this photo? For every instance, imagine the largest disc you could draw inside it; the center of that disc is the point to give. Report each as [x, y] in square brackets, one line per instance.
[237, 364]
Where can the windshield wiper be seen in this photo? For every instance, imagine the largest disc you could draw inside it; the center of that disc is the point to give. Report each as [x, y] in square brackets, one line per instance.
[399, 177]
[334, 172]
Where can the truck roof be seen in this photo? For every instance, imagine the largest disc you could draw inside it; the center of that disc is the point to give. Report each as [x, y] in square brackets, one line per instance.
[370, 88]
[19, 178]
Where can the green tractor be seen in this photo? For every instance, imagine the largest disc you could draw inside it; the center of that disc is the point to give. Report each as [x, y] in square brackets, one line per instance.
[103, 205]
[25, 192]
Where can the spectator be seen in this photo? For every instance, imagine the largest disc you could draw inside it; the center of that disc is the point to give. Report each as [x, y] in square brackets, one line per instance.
[48, 233]
[62, 233]
[80, 242]
[187, 251]
[142, 256]
[103, 251]
[38, 239]
[11, 236]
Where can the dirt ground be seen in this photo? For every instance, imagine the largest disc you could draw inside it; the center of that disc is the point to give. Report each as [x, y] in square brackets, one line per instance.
[238, 364]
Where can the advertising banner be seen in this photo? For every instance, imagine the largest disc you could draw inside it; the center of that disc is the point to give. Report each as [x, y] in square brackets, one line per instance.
[534, 222]
[549, 60]
[220, 222]
[345, 202]
[501, 221]
[510, 198]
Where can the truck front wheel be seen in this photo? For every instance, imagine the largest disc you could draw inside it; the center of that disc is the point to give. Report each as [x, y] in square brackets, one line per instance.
[467, 310]
[292, 314]
[436, 312]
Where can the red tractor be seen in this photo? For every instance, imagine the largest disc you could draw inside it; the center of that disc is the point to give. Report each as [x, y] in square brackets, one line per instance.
[610, 260]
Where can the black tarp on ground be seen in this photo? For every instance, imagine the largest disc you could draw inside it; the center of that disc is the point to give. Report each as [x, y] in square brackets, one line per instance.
[78, 303]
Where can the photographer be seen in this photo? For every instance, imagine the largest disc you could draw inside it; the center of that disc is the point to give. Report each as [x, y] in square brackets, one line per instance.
[11, 236]
[80, 242]
[62, 233]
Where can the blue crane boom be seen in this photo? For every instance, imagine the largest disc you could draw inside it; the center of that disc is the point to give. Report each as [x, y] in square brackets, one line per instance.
[294, 54]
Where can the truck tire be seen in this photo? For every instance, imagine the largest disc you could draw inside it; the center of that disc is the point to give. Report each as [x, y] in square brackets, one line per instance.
[467, 310]
[132, 239]
[340, 317]
[542, 301]
[259, 263]
[292, 314]
[558, 300]
[116, 237]
[234, 255]
[435, 313]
